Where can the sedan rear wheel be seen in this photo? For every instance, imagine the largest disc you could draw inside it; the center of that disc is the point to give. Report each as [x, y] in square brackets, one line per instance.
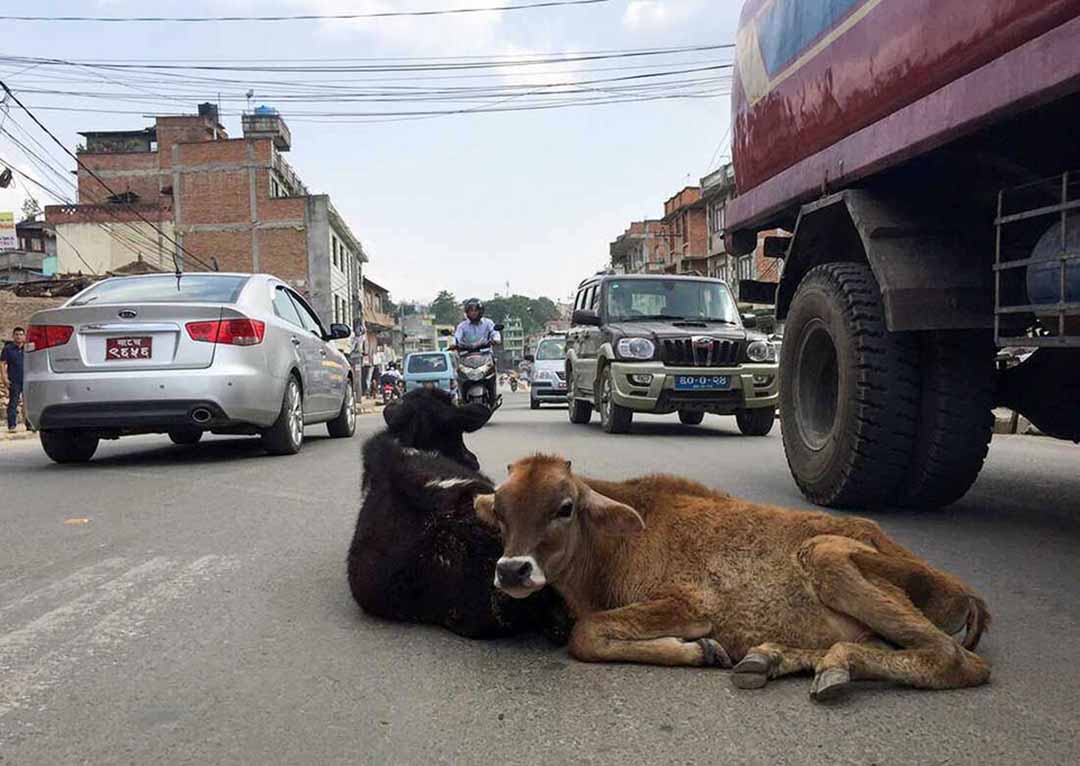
[286, 436]
[69, 446]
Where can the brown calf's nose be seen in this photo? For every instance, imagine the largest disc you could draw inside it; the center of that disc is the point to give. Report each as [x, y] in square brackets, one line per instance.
[513, 572]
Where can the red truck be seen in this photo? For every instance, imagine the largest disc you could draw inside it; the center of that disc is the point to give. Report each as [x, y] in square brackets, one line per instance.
[920, 153]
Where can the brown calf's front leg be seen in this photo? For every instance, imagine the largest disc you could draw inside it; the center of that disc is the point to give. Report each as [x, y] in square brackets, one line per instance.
[662, 632]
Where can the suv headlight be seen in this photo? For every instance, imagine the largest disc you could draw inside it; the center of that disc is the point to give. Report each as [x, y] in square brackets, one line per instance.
[761, 351]
[635, 348]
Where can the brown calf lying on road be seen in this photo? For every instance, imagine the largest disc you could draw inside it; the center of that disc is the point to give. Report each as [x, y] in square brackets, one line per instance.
[664, 571]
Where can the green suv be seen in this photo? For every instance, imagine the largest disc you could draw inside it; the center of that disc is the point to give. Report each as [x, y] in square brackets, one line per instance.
[664, 344]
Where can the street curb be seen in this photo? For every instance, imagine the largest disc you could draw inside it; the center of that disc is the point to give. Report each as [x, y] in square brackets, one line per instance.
[19, 436]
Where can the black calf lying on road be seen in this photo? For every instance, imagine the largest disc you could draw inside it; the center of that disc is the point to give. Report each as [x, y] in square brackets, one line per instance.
[419, 553]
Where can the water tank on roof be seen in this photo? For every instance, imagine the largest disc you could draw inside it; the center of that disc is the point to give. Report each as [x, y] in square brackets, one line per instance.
[265, 110]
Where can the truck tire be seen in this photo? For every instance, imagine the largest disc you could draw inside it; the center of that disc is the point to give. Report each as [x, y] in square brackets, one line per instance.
[614, 418]
[756, 422]
[956, 419]
[849, 394]
[69, 446]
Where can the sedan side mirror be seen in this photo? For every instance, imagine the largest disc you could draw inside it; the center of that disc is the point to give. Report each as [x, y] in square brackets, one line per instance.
[499, 327]
[586, 317]
[530, 358]
[339, 331]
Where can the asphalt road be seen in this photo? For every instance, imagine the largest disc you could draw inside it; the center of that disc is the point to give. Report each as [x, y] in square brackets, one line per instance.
[189, 605]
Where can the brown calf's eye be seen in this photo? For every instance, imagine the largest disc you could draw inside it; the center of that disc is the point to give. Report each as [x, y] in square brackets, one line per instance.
[566, 510]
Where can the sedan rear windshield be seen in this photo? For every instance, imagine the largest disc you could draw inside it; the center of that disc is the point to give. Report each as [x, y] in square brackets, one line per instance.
[197, 288]
[426, 363]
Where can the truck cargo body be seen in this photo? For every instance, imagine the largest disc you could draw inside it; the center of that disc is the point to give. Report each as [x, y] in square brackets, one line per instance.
[816, 83]
[923, 155]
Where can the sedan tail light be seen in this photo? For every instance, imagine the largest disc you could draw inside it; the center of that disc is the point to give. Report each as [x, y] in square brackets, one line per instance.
[231, 332]
[42, 336]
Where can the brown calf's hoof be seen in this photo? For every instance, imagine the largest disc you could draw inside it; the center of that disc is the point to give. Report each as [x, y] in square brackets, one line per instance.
[713, 654]
[830, 684]
[752, 672]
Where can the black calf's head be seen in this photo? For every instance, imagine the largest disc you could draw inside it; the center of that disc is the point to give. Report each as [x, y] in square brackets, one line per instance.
[427, 419]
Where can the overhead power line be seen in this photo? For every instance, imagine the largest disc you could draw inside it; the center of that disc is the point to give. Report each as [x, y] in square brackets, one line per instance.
[104, 185]
[307, 16]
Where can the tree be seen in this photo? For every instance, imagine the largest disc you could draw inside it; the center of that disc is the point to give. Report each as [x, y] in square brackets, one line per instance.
[534, 313]
[446, 308]
[30, 209]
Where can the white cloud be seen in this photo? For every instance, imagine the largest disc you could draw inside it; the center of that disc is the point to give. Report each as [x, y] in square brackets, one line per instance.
[644, 15]
[437, 36]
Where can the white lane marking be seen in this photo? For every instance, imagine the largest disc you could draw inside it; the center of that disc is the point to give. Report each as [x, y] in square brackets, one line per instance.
[37, 671]
[449, 483]
[75, 583]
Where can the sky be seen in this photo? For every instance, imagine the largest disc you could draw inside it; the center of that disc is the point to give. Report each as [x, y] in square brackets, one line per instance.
[468, 202]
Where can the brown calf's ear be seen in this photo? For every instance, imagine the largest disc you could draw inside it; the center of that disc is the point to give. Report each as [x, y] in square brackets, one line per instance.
[484, 505]
[610, 516]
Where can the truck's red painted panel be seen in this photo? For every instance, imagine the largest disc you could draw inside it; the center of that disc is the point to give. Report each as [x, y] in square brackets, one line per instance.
[811, 72]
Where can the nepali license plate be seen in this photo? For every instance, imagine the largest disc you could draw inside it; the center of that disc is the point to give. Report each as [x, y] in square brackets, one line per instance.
[121, 349]
[702, 382]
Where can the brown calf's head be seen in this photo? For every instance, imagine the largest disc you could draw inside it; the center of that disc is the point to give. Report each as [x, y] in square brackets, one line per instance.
[546, 516]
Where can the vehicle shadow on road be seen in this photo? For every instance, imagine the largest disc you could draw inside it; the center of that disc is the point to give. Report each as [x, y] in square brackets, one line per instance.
[227, 450]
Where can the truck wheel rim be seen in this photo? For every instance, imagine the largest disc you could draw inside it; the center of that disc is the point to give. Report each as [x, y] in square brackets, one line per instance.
[816, 386]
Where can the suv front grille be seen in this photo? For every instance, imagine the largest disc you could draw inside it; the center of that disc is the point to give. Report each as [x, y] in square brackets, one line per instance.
[700, 352]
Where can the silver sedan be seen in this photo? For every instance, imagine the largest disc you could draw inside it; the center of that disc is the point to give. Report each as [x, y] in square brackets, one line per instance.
[225, 353]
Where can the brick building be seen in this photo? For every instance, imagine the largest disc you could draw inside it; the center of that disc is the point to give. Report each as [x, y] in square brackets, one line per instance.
[378, 322]
[233, 203]
[688, 236]
[642, 248]
[717, 189]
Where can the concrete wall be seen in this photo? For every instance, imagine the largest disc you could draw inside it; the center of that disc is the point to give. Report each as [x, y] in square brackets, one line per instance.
[103, 252]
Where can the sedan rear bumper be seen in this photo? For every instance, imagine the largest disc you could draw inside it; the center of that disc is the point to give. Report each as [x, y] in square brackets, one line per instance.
[153, 400]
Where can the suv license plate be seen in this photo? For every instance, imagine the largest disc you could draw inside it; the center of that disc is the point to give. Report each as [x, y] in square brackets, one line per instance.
[702, 382]
[120, 349]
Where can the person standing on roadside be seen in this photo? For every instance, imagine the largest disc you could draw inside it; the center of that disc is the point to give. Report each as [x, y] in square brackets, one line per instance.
[11, 372]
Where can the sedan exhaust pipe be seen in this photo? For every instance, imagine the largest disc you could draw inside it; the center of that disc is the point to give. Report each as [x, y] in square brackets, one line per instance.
[201, 415]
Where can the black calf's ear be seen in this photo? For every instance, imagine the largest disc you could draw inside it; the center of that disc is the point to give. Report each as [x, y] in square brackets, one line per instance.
[472, 417]
[397, 416]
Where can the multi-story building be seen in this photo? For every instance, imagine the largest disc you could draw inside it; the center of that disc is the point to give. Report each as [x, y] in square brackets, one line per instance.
[513, 339]
[688, 238]
[717, 189]
[643, 247]
[34, 254]
[378, 322]
[184, 190]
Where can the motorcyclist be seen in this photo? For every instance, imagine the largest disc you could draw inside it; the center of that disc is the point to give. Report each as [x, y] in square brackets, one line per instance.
[475, 331]
[392, 376]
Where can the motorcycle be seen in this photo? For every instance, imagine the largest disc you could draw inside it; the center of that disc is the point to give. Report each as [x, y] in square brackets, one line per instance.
[513, 384]
[391, 392]
[477, 377]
